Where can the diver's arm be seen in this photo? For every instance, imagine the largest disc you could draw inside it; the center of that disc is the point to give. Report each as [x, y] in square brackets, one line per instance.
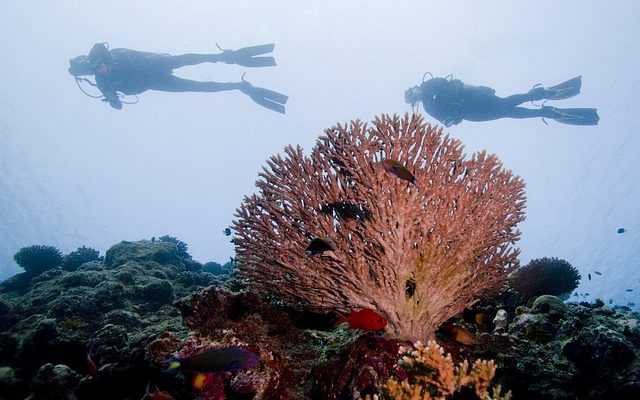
[108, 91]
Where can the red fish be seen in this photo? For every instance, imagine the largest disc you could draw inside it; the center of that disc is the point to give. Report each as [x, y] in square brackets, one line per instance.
[399, 170]
[157, 395]
[365, 319]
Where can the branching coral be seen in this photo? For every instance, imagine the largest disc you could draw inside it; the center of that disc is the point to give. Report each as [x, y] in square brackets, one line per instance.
[434, 376]
[416, 253]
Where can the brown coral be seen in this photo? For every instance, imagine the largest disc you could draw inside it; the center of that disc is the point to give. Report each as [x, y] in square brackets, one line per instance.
[418, 254]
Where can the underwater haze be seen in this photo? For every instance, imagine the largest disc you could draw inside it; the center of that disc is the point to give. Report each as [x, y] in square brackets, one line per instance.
[74, 171]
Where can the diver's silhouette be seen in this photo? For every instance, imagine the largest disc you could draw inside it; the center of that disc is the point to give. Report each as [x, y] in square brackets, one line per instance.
[450, 101]
[133, 72]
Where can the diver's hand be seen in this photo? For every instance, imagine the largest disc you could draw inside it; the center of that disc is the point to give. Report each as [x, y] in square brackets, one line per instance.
[113, 101]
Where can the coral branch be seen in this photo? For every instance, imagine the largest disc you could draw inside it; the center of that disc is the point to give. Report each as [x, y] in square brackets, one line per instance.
[417, 253]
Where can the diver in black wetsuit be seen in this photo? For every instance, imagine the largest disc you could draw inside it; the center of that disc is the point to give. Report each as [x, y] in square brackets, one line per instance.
[450, 101]
[133, 72]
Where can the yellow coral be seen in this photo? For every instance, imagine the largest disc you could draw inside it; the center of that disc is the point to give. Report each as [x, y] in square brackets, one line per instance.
[434, 376]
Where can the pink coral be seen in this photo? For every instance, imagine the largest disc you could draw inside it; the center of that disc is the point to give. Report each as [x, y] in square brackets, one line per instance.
[418, 254]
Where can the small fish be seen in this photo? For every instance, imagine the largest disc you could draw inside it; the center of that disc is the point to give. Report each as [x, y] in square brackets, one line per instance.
[157, 395]
[589, 275]
[610, 301]
[575, 295]
[631, 304]
[459, 334]
[629, 290]
[215, 360]
[399, 170]
[320, 245]
[226, 231]
[597, 272]
[621, 230]
[365, 319]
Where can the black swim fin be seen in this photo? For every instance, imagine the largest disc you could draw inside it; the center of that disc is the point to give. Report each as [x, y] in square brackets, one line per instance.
[247, 56]
[266, 98]
[561, 91]
[572, 116]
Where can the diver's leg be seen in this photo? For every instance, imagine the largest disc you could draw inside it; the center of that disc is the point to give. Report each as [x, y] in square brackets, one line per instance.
[496, 111]
[174, 84]
[182, 60]
[522, 112]
[517, 99]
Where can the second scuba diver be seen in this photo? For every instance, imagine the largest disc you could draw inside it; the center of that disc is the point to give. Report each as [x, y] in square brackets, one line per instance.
[450, 101]
[132, 72]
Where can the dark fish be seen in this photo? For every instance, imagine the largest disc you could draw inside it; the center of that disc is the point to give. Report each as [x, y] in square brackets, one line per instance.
[610, 301]
[399, 170]
[319, 245]
[589, 275]
[621, 230]
[346, 210]
[629, 290]
[226, 231]
[597, 272]
[215, 360]
[631, 304]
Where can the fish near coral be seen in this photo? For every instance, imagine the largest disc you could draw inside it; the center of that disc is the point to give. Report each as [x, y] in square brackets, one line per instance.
[157, 395]
[320, 245]
[459, 334]
[365, 319]
[215, 360]
[399, 170]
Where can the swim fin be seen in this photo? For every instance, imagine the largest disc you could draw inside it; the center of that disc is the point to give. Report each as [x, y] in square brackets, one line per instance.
[572, 116]
[246, 56]
[268, 98]
[561, 91]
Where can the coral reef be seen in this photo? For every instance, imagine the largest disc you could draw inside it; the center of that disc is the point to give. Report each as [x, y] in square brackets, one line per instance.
[105, 312]
[547, 275]
[101, 333]
[76, 258]
[416, 253]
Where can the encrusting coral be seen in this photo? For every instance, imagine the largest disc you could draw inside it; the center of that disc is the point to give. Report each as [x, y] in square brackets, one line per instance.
[418, 254]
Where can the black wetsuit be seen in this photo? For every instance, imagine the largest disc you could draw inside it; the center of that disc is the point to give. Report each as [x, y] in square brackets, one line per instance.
[133, 72]
[450, 101]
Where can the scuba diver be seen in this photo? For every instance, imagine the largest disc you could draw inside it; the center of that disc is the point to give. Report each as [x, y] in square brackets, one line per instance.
[450, 101]
[132, 72]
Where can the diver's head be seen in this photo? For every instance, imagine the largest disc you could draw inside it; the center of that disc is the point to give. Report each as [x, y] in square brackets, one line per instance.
[80, 66]
[413, 95]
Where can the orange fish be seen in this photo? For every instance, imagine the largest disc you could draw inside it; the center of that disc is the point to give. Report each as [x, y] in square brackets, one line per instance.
[399, 170]
[365, 319]
[459, 334]
[157, 395]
